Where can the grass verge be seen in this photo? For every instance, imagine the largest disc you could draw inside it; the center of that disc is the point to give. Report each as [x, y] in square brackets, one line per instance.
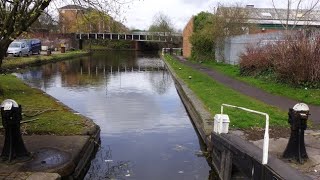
[268, 84]
[18, 62]
[213, 94]
[52, 117]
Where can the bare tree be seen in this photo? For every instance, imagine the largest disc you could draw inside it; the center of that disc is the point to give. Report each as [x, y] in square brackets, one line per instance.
[230, 21]
[296, 10]
[161, 23]
[16, 16]
[45, 22]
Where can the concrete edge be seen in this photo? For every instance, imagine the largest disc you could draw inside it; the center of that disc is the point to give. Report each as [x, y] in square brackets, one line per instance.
[46, 176]
[38, 62]
[80, 165]
[200, 116]
[82, 161]
[277, 166]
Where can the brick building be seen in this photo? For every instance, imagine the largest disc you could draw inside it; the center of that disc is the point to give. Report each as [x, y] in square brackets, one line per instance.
[186, 34]
[266, 20]
[68, 15]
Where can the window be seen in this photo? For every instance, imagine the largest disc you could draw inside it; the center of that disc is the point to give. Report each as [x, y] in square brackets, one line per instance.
[299, 15]
[266, 14]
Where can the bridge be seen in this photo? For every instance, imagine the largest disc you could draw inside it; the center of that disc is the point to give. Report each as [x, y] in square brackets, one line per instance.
[134, 36]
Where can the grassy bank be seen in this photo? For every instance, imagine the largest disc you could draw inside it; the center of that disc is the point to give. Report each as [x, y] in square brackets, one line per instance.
[268, 84]
[213, 94]
[52, 118]
[19, 62]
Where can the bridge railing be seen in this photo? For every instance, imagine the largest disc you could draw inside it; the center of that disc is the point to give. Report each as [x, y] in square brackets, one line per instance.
[141, 36]
[156, 33]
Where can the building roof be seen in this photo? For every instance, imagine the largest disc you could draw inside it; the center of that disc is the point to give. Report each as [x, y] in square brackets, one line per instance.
[276, 14]
[73, 7]
[279, 16]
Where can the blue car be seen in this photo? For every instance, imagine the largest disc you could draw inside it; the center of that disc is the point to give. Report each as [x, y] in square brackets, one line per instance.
[34, 46]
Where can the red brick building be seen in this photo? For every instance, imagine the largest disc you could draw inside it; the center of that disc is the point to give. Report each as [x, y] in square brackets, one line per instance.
[68, 15]
[186, 34]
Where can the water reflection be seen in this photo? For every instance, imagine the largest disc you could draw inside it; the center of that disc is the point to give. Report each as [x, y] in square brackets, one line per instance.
[145, 130]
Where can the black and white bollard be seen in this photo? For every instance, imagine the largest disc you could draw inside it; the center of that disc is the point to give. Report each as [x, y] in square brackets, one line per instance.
[13, 148]
[298, 116]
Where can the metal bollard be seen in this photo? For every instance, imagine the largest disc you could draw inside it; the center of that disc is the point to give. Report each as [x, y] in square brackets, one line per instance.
[13, 148]
[298, 116]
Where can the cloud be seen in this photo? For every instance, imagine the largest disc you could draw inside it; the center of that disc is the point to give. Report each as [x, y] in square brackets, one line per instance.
[197, 3]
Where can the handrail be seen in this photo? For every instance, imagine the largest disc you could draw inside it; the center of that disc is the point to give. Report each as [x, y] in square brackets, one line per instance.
[164, 49]
[266, 132]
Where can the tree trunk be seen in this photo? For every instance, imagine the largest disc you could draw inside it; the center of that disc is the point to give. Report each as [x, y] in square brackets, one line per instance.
[4, 43]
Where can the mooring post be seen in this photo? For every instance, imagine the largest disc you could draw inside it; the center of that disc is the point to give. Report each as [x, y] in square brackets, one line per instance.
[296, 149]
[14, 148]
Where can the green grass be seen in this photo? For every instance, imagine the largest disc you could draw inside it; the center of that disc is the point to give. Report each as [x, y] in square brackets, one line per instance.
[269, 84]
[14, 62]
[57, 120]
[213, 94]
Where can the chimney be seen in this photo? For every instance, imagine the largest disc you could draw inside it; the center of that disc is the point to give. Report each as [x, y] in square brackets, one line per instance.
[249, 6]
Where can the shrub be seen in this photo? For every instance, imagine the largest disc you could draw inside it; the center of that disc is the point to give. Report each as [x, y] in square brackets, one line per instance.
[255, 61]
[202, 47]
[294, 60]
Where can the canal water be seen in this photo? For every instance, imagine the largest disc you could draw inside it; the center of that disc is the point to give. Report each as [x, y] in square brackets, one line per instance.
[146, 132]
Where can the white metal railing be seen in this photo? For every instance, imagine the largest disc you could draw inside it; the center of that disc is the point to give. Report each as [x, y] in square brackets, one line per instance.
[266, 132]
[156, 33]
[165, 49]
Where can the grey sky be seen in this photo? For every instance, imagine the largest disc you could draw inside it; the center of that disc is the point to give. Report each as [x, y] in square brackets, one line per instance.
[139, 13]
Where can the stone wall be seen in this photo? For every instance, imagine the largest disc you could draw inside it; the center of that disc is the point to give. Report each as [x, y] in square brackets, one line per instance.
[187, 32]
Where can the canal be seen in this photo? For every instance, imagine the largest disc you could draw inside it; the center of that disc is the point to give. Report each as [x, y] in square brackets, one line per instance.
[146, 132]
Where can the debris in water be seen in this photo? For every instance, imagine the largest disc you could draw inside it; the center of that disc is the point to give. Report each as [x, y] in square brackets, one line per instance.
[199, 153]
[179, 148]
[127, 175]
[180, 172]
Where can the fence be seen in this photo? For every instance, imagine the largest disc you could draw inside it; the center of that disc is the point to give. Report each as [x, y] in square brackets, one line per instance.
[233, 47]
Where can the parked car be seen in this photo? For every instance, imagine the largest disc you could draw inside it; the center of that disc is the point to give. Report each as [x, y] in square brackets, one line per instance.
[18, 48]
[34, 46]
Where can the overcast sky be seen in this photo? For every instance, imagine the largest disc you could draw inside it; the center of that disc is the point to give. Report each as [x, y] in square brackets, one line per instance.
[138, 14]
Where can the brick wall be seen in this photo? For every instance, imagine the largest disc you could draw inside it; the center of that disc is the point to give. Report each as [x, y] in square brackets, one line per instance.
[187, 32]
[53, 40]
[67, 19]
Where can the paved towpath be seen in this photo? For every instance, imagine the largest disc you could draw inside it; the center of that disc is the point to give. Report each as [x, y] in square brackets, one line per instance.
[281, 102]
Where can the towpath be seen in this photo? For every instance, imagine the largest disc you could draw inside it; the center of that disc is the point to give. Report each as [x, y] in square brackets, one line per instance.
[281, 102]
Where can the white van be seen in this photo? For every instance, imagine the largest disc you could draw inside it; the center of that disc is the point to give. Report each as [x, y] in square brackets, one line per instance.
[18, 48]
